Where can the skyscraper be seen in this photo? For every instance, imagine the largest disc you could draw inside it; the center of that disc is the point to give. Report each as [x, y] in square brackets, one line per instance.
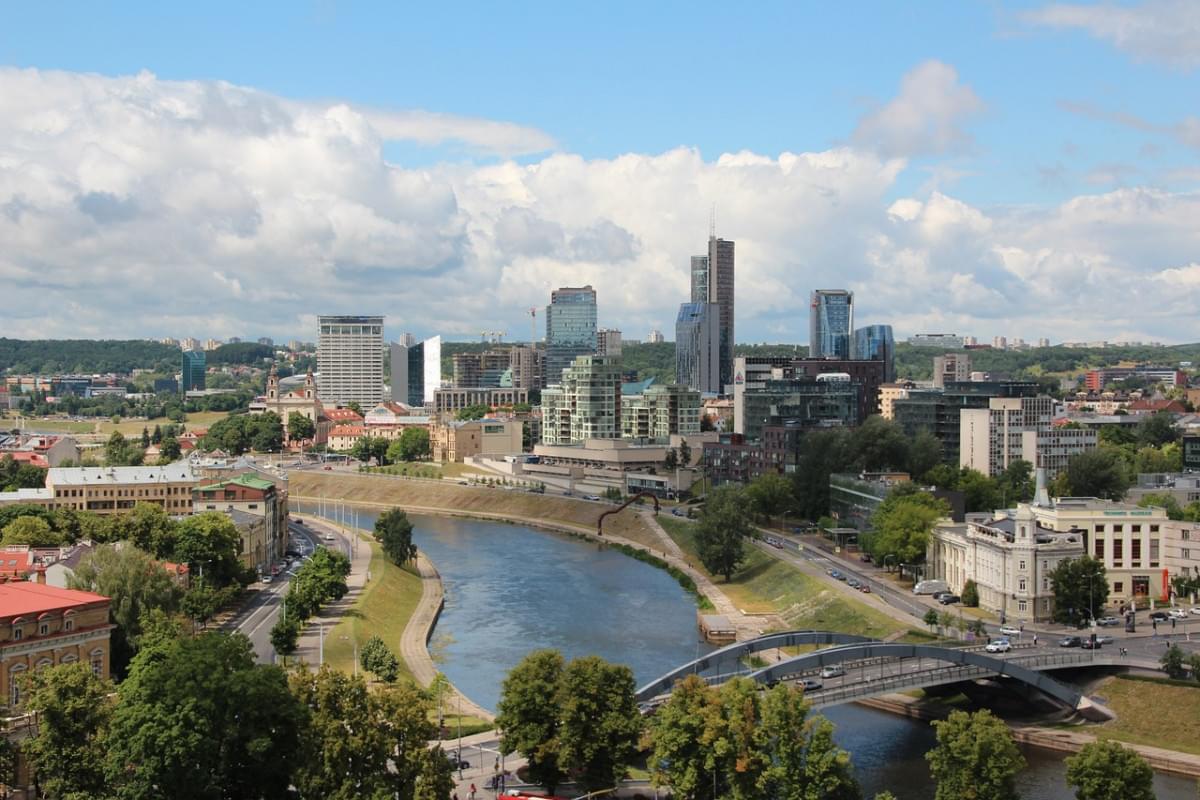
[876, 343]
[720, 291]
[191, 376]
[830, 320]
[350, 359]
[608, 342]
[697, 347]
[699, 279]
[416, 371]
[570, 328]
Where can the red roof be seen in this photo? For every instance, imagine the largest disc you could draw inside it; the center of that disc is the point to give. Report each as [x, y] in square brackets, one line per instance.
[16, 560]
[27, 457]
[348, 430]
[22, 598]
[343, 415]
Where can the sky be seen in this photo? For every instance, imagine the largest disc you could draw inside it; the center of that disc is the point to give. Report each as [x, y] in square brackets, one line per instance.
[220, 169]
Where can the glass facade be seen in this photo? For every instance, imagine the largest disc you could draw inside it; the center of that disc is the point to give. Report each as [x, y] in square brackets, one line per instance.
[191, 376]
[697, 347]
[416, 371]
[803, 402]
[570, 329]
[699, 279]
[875, 343]
[720, 291]
[831, 318]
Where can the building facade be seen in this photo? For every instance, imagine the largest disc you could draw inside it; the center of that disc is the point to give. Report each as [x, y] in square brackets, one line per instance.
[1181, 549]
[721, 290]
[570, 328]
[457, 440]
[451, 401]
[587, 405]
[1018, 428]
[938, 411]
[839, 382]
[660, 412]
[830, 321]
[350, 359]
[876, 343]
[258, 498]
[416, 371]
[527, 366]
[697, 347]
[193, 371]
[950, 341]
[608, 342]
[951, 368]
[486, 369]
[112, 490]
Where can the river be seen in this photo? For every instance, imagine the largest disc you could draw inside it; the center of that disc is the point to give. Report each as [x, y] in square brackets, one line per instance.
[511, 589]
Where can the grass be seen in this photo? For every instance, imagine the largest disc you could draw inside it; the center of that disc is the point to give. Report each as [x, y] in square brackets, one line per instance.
[1152, 713]
[105, 427]
[765, 584]
[383, 609]
[450, 724]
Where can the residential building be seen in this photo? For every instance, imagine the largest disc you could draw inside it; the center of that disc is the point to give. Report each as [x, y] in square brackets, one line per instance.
[587, 404]
[527, 368]
[951, 368]
[830, 321]
[350, 359]
[1097, 379]
[451, 401]
[193, 370]
[1182, 487]
[189, 343]
[343, 437]
[876, 343]
[457, 440]
[1181, 549]
[938, 410]
[1191, 452]
[697, 347]
[1018, 428]
[39, 450]
[949, 341]
[212, 344]
[266, 340]
[654, 337]
[659, 413]
[889, 393]
[111, 490]
[416, 371]
[264, 539]
[731, 459]
[840, 382]
[44, 626]
[570, 328]
[608, 342]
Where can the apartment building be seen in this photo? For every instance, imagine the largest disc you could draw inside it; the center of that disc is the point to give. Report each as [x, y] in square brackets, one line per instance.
[660, 412]
[587, 405]
[265, 539]
[350, 359]
[1016, 428]
[451, 401]
[112, 490]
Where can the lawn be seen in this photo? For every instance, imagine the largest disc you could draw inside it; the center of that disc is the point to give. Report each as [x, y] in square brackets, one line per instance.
[105, 427]
[765, 584]
[1151, 713]
[383, 609]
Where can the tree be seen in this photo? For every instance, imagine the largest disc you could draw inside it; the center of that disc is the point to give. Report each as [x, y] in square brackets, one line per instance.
[770, 494]
[1016, 482]
[1163, 501]
[203, 600]
[736, 738]
[822, 453]
[145, 437]
[1104, 770]
[300, 427]
[528, 715]
[414, 444]
[1080, 587]
[66, 754]
[33, 531]
[1156, 430]
[393, 530]
[472, 412]
[681, 757]
[599, 722]
[157, 435]
[975, 757]
[436, 780]
[722, 529]
[879, 444]
[150, 529]
[685, 453]
[169, 450]
[198, 719]
[1173, 663]
[981, 493]
[930, 618]
[804, 760]
[285, 634]
[376, 657]
[208, 543]
[266, 432]
[924, 453]
[1097, 473]
[970, 594]
[671, 459]
[120, 452]
[903, 522]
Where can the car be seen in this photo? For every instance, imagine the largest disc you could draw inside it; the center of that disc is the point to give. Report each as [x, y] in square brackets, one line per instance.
[1010, 630]
[852, 583]
[810, 685]
[1177, 613]
[865, 558]
[266, 578]
[327, 537]
[841, 577]
[1159, 616]
[591, 497]
[864, 589]
[833, 671]
[999, 646]
[833, 573]
[1104, 638]
[1089, 643]
[1108, 621]
[675, 512]
[1070, 641]
[938, 595]
[463, 483]
[328, 468]
[457, 761]
[1196, 610]
[949, 599]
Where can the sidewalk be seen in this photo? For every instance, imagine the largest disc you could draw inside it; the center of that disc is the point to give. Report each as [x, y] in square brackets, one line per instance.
[308, 649]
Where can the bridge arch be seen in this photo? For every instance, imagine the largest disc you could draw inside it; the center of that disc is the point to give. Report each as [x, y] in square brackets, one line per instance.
[735, 652]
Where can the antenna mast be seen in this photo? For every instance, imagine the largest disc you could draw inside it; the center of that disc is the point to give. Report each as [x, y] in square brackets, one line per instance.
[712, 222]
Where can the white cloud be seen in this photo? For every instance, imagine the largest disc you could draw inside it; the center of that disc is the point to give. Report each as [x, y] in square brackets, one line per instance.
[925, 117]
[132, 206]
[1166, 31]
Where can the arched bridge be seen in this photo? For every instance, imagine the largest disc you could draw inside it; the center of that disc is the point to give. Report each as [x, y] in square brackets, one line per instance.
[873, 668]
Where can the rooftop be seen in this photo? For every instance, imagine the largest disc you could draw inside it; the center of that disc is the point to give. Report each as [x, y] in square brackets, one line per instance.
[25, 597]
[180, 471]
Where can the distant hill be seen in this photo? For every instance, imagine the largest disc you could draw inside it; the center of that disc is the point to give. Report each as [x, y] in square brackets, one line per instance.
[917, 362]
[48, 356]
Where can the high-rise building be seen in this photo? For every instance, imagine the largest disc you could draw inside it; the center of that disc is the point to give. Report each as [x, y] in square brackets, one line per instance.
[586, 404]
[654, 337]
[608, 342]
[191, 376]
[212, 344]
[699, 279]
[951, 368]
[782, 390]
[697, 347]
[830, 320]
[475, 370]
[570, 328]
[721, 292]
[416, 371]
[875, 343]
[189, 343]
[660, 412]
[266, 340]
[1012, 428]
[528, 367]
[407, 339]
[350, 359]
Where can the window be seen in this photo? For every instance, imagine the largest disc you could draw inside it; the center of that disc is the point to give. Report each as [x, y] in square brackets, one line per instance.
[1022, 565]
[1186, 553]
[43, 629]
[1021, 606]
[68, 625]
[1098, 549]
[1135, 528]
[1118, 587]
[1118, 552]
[1021, 585]
[1135, 552]
[1118, 528]
[17, 634]
[1154, 552]
[14, 685]
[1154, 528]
[1183, 534]
[97, 662]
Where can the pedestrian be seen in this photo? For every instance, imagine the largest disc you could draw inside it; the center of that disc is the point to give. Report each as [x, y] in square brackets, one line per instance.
[472, 794]
[1035, 640]
[454, 796]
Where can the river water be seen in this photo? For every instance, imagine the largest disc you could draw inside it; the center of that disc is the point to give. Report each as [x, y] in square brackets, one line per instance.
[511, 589]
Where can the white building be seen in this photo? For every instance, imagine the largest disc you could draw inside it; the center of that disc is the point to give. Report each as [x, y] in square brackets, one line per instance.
[655, 337]
[350, 359]
[587, 405]
[1013, 428]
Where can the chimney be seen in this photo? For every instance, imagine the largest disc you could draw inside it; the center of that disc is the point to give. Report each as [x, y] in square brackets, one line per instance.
[1041, 498]
[41, 575]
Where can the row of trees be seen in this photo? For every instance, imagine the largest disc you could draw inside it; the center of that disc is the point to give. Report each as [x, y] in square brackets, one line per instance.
[413, 445]
[319, 580]
[239, 433]
[14, 475]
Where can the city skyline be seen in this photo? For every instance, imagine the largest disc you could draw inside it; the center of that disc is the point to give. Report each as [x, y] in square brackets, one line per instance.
[967, 182]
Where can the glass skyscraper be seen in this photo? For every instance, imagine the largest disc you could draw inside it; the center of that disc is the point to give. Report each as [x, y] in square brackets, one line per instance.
[830, 320]
[697, 347]
[875, 343]
[699, 279]
[570, 329]
[416, 371]
[191, 376]
[713, 282]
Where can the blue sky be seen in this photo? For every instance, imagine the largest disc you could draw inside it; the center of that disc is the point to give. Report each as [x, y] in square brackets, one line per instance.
[1056, 102]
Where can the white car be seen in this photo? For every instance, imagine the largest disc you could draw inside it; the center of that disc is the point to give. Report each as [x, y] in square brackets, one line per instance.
[833, 671]
[1196, 610]
[1178, 613]
[1009, 630]
[999, 646]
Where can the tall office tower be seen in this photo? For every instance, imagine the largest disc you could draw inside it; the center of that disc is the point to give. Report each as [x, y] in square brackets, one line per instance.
[720, 291]
[350, 359]
[608, 342]
[698, 347]
[191, 376]
[416, 371]
[570, 328]
[830, 320]
[699, 279]
[876, 343]
[528, 367]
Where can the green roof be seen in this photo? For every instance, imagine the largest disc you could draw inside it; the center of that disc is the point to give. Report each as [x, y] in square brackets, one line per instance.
[248, 480]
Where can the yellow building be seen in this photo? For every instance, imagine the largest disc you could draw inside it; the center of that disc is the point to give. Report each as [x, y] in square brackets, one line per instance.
[458, 440]
[112, 490]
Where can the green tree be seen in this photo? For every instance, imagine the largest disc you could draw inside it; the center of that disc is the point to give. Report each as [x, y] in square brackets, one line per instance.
[1174, 663]
[804, 760]
[822, 453]
[671, 460]
[203, 600]
[722, 529]
[981, 493]
[285, 634]
[924, 453]
[150, 529]
[1163, 501]
[33, 531]
[903, 522]
[209, 544]
[120, 452]
[197, 719]
[736, 737]
[680, 754]
[300, 427]
[599, 722]
[157, 435]
[930, 618]
[1097, 473]
[975, 757]
[528, 715]
[472, 412]
[1017, 483]
[970, 594]
[145, 437]
[414, 444]
[377, 658]
[1104, 770]
[1080, 587]
[685, 453]
[1194, 666]
[436, 780]
[66, 754]
[393, 531]
[879, 444]
[770, 494]
[169, 450]
[266, 432]
[1156, 430]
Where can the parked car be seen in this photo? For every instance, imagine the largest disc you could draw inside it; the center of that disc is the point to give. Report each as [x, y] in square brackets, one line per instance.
[949, 599]
[852, 583]
[1196, 610]
[999, 646]
[266, 578]
[327, 537]
[675, 512]
[457, 761]
[833, 671]
[1010, 630]
[1159, 616]
[938, 595]
[1069, 641]
[1108, 621]
[931, 586]
[810, 685]
[865, 557]
[1177, 613]
[864, 589]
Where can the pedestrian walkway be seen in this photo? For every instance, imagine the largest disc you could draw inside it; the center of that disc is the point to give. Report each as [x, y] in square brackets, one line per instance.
[308, 649]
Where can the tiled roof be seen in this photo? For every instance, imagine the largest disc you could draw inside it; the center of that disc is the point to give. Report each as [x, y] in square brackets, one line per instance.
[19, 598]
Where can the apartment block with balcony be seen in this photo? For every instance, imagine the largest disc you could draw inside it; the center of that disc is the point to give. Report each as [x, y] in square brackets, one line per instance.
[661, 412]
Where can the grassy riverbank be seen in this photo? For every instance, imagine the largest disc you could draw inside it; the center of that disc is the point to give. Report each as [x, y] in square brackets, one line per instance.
[766, 585]
[1151, 712]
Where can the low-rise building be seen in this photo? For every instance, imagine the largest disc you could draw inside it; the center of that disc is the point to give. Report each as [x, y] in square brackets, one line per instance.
[249, 494]
[39, 450]
[343, 437]
[457, 440]
[1182, 487]
[1181, 548]
[451, 401]
[112, 490]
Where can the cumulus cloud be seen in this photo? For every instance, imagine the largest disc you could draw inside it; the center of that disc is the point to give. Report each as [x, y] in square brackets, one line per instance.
[134, 206]
[925, 118]
[1166, 31]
